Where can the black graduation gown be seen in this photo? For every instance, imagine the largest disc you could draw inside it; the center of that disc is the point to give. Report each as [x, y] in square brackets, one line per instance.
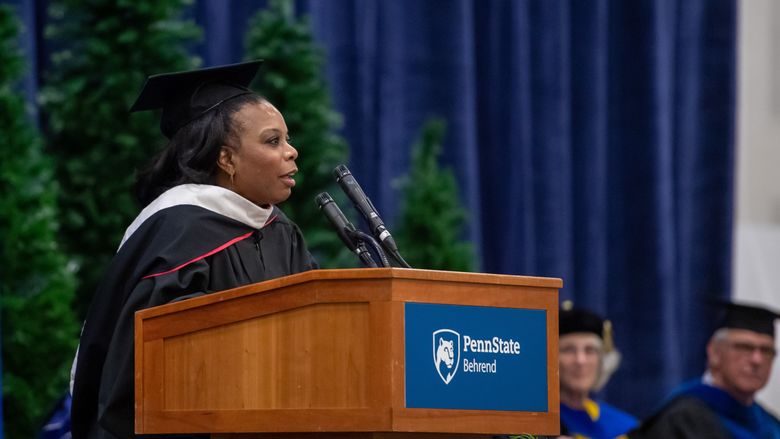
[179, 251]
[700, 410]
[684, 417]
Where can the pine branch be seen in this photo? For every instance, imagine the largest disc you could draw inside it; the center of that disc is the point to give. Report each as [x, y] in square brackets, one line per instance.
[39, 328]
[431, 222]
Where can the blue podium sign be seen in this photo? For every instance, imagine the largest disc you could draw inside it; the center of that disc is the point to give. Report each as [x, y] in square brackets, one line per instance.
[475, 358]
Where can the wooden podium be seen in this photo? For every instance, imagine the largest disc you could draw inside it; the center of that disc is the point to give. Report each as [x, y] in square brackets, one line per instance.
[322, 353]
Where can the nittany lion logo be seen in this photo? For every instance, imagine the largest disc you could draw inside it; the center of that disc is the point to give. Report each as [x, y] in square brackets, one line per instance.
[446, 353]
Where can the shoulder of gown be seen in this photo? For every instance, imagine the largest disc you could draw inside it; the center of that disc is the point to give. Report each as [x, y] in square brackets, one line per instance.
[682, 417]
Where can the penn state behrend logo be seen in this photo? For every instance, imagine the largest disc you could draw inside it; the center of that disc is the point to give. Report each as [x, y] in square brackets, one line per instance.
[446, 353]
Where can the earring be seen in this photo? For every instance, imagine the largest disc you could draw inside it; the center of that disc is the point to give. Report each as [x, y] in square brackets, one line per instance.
[232, 183]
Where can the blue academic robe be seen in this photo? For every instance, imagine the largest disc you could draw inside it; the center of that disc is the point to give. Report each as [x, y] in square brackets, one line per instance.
[743, 422]
[598, 420]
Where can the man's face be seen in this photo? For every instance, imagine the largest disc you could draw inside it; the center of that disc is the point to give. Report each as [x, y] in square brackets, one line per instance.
[579, 356]
[740, 362]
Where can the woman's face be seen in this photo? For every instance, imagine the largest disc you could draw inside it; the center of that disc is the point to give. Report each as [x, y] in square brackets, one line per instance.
[579, 356]
[263, 162]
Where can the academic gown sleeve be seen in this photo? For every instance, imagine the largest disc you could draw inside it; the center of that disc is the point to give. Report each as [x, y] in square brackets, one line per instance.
[275, 250]
[116, 397]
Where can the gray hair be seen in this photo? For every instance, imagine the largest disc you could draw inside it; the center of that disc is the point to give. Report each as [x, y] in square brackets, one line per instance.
[720, 335]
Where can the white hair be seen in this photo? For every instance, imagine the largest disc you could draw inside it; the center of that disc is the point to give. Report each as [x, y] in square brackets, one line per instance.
[610, 361]
[721, 334]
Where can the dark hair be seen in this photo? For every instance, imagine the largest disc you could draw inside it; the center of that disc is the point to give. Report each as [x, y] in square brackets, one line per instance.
[191, 154]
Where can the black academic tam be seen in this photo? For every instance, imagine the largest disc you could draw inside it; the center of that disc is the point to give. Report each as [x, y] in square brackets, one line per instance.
[185, 96]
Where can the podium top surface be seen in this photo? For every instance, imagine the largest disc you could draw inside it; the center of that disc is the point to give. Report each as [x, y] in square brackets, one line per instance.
[355, 274]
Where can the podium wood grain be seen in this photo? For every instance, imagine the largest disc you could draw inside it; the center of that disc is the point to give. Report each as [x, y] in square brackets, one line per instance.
[315, 353]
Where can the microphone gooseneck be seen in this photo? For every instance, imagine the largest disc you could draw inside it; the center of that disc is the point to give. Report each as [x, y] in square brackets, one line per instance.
[343, 228]
[363, 204]
[361, 236]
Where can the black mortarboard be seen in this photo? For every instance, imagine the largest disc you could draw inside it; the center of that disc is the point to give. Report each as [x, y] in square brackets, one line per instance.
[750, 317]
[184, 96]
[579, 320]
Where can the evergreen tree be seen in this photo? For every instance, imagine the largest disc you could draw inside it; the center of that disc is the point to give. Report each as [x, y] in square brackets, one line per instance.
[432, 219]
[39, 330]
[292, 80]
[107, 49]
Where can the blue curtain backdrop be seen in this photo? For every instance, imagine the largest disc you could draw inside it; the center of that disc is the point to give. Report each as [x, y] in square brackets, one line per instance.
[592, 140]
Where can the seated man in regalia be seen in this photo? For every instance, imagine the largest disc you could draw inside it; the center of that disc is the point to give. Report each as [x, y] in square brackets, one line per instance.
[721, 404]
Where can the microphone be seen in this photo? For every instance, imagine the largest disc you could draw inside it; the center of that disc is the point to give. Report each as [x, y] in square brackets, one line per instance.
[355, 193]
[343, 227]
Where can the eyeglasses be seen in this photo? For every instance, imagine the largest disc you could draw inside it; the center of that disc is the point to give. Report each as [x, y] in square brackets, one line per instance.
[745, 348]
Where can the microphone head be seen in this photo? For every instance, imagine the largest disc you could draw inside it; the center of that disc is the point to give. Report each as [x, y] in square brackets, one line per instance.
[341, 171]
[323, 199]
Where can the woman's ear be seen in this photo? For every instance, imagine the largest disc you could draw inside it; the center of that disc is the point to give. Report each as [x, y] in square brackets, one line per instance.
[225, 160]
